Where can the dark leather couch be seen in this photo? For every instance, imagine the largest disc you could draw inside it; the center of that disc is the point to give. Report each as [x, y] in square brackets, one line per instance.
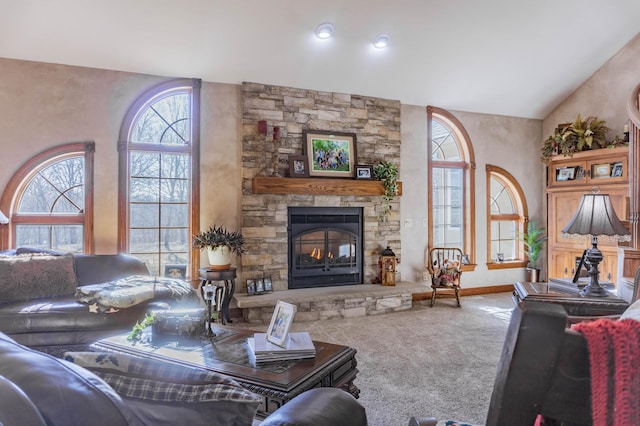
[63, 320]
[39, 389]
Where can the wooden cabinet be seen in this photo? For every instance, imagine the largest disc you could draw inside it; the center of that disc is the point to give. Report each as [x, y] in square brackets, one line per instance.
[568, 178]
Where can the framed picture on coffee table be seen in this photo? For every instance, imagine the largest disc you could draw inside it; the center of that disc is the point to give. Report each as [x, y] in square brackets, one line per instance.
[330, 154]
[281, 321]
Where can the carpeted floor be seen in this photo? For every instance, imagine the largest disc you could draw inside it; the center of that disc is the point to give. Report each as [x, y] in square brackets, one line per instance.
[438, 361]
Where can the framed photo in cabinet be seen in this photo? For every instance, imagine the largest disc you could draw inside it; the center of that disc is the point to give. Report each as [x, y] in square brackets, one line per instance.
[601, 170]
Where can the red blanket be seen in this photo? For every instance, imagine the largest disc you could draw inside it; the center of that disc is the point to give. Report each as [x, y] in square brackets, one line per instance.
[614, 356]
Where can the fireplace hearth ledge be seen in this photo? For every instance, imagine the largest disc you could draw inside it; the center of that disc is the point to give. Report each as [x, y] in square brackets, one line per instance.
[331, 302]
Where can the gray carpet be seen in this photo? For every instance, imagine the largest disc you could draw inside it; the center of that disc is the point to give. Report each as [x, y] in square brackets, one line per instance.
[438, 361]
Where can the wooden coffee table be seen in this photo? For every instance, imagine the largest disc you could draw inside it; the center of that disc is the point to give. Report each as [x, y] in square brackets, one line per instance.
[226, 353]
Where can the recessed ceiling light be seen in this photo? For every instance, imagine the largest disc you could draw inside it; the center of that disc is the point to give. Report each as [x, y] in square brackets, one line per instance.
[324, 31]
[381, 41]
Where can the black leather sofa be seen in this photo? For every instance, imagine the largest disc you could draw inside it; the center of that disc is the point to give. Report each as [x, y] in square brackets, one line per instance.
[62, 319]
[39, 389]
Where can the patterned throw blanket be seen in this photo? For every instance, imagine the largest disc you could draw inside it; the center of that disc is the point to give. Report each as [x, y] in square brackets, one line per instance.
[126, 292]
[614, 356]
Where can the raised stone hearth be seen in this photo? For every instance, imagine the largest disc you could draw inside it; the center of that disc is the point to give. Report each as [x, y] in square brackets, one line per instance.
[330, 302]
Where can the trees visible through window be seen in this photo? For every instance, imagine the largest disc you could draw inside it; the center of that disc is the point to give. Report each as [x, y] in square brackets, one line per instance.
[51, 201]
[161, 154]
[451, 196]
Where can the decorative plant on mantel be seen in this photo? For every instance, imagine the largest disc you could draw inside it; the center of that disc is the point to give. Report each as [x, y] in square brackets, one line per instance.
[220, 243]
[581, 135]
[387, 173]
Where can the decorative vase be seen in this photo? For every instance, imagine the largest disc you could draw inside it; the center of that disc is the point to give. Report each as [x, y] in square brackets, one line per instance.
[219, 258]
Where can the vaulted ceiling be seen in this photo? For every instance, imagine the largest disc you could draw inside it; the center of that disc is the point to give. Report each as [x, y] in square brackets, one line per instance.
[508, 57]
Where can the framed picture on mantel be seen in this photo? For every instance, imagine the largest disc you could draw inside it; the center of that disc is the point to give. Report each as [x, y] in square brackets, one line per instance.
[330, 154]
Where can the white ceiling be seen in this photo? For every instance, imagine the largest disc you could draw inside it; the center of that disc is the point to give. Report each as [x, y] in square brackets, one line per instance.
[507, 57]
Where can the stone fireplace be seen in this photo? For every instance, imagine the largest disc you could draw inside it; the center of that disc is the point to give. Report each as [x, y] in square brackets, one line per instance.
[325, 246]
[265, 215]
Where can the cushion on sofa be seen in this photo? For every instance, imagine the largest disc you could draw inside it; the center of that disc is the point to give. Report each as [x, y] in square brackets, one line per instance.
[33, 276]
[161, 393]
[64, 393]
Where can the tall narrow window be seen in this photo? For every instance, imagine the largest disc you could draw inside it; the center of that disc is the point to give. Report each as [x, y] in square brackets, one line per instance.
[50, 201]
[158, 170]
[507, 212]
[451, 201]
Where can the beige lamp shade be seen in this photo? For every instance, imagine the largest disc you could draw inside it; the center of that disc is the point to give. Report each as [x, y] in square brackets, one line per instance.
[3, 219]
[595, 217]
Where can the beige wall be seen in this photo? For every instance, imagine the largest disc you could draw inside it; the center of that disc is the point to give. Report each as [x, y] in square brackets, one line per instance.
[604, 94]
[508, 142]
[43, 105]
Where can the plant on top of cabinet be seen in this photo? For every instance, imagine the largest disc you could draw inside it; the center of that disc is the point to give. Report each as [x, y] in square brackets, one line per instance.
[581, 135]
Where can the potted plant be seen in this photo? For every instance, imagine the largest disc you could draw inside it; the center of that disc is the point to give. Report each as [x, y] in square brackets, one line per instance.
[387, 173]
[581, 135]
[533, 240]
[220, 243]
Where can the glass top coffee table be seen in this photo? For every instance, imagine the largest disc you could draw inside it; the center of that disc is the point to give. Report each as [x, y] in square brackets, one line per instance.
[226, 353]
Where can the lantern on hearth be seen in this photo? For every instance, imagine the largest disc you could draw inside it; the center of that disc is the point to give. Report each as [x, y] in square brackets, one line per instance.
[388, 263]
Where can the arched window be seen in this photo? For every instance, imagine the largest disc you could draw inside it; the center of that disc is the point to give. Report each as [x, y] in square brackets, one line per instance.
[159, 175]
[451, 198]
[506, 217]
[49, 201]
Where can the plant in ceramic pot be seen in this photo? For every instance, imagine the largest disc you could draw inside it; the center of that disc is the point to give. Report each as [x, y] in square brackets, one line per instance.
[533, 240]
[220, 244]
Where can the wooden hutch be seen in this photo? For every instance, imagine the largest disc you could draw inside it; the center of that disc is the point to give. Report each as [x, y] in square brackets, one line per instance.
[603, 170]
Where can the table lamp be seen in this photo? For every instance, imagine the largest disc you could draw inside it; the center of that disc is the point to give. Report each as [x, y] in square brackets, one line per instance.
[596, 218]
[3, 219]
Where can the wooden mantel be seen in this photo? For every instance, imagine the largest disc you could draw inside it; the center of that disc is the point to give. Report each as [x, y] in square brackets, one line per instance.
[318, 186]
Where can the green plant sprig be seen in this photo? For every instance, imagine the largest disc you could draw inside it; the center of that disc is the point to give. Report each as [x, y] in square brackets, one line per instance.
[387, 173]
[139, 327]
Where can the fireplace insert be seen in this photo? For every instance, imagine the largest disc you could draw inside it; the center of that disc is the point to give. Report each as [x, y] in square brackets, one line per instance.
[325, 246]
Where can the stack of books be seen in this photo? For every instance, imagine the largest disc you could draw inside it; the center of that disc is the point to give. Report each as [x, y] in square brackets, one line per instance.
[297, 345]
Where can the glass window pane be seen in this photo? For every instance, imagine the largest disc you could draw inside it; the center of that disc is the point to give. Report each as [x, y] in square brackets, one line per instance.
[64, 238]
[144, 164]
[144, 190]
[144, 240]
[58, 188]
[174, 240]
[174, 214]
[444, 145]
[166, 121]
[144, 215]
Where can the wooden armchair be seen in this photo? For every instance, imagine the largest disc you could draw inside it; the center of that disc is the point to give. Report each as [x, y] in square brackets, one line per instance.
[444, 266]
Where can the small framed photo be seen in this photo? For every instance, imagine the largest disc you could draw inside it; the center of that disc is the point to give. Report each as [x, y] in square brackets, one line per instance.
[259, 285]
[565, 173]
[465, 259]
[500, 257]
[617, 170]
[364, 172]
[268, 286]
[298, 166]
[281, 321]
[176, 271]
[251, 286]
[601, 170]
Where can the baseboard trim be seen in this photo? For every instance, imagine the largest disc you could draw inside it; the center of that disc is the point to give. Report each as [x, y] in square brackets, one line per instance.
[469, 291]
